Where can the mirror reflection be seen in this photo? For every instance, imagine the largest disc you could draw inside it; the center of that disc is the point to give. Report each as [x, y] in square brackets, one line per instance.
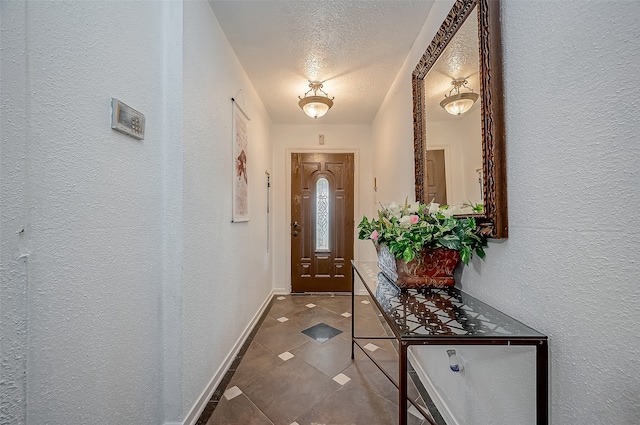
[453, 156]
[463, 63]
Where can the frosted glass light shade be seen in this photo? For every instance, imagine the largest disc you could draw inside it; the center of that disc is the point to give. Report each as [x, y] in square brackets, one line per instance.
[315, 106]
[460, 103]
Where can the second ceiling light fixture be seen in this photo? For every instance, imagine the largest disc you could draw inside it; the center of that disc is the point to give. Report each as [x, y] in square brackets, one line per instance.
[459, 103]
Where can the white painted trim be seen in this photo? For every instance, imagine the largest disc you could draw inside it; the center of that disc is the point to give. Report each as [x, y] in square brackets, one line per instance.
[283, 291]
[287, 182]
[437, 399]
[201, 403]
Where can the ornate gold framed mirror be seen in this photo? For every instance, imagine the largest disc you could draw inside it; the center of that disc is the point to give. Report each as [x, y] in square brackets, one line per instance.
[458, 116]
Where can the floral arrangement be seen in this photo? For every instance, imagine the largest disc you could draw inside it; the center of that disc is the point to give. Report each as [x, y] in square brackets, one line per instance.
[407, 229]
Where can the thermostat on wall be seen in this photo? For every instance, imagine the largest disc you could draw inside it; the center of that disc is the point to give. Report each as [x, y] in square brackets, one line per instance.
[126, 119]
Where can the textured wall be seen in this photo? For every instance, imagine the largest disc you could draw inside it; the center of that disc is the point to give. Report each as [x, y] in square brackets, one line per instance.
[569, 267]
[288, 138]
[135, 283]
[172, 183]
[227, 270]
[93, 209]
[14, 217]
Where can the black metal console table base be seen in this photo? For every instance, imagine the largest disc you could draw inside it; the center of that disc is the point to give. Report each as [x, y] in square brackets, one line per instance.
[443, 316]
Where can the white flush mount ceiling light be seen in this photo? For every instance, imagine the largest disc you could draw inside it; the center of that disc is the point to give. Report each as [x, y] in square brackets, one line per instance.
[459, 103]
[315, 106]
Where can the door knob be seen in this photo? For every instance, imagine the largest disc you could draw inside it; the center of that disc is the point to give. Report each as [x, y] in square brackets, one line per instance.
[295, 224]
[295, 233]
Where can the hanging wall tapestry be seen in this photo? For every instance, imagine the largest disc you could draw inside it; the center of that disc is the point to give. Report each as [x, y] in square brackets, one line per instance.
[240, 157]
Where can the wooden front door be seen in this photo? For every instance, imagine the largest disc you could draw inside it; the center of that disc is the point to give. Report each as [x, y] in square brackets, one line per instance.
[436, 177]
[321, 221]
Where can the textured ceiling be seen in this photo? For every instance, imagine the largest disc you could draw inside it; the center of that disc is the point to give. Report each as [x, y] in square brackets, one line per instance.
[458, 60]
[356, 47]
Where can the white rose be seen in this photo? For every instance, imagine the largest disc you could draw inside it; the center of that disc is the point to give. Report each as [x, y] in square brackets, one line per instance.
[447, 212]
[433, 208]
[394, 209]
[452, 210]
[413, 208]
[405, 221]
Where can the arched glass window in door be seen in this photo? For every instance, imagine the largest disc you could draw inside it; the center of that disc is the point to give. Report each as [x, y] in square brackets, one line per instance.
[322, 214]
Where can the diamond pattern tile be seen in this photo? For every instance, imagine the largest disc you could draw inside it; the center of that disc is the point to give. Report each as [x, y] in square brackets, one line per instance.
[321, 332]
[294, 371]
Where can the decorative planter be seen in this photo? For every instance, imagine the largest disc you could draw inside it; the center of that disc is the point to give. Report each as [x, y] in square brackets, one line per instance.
[432, 269]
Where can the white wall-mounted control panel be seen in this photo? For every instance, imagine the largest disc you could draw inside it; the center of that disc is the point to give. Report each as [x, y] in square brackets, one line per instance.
[126, 119]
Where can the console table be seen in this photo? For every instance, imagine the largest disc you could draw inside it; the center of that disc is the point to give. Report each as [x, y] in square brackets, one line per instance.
[442, 316]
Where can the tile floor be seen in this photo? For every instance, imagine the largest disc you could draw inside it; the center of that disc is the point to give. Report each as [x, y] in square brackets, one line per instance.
[296, 372]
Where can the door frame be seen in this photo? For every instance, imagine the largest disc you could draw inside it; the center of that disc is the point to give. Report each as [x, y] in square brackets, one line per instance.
[356, 195]
[447, 164]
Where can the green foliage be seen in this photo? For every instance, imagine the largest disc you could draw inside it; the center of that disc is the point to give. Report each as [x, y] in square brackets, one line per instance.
[407, 229]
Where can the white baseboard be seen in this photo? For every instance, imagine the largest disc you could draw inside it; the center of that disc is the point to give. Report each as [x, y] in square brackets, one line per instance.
[284, 291]
[201, 403]
[437, 399]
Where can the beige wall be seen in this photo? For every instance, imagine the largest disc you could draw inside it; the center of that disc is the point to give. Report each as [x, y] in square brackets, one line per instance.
[226, 268]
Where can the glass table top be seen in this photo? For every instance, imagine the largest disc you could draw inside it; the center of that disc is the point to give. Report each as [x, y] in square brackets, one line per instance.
[438, 312]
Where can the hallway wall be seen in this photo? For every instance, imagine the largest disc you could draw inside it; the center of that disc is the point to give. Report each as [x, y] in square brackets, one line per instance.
[125, 287]
[227, 269]
[298, 138]
[82, 213]
[569, 267]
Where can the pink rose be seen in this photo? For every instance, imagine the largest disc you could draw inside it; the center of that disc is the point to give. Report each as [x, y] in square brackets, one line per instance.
[414, 219]
[374, 236]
